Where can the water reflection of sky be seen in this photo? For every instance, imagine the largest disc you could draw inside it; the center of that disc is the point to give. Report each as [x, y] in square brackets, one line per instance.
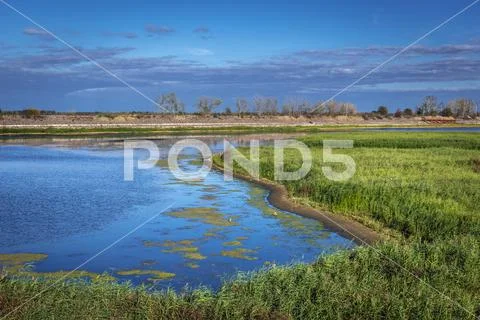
[72, 203]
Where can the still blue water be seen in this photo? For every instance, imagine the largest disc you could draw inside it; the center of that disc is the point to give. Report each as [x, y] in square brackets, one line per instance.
[72, 202]
[426, 129]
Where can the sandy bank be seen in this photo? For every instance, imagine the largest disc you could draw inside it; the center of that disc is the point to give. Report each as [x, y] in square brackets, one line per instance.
[341, 225]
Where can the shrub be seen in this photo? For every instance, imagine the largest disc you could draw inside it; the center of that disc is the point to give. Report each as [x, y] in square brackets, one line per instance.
[31, 113]
[382, 110]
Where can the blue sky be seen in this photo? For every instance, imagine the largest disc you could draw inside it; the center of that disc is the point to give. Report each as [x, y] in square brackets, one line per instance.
[230, 49]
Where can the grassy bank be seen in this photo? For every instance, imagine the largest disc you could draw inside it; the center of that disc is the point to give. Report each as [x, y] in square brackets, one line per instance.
[211, 129]
[180, 130]
[420, 188]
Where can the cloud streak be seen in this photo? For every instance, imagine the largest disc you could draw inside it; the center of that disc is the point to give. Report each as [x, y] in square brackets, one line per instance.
[158, 30]
[126, 35]
[38, 33]
[440, 69]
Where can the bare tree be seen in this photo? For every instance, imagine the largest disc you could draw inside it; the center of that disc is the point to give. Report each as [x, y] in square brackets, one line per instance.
[347, 108]
[207, 105]
[463, 108]
[288, 108]
[331, 107]
[168, 102]
[429, 106]
[265, 105]
[242, 105]
[296, 106]
[319, 107]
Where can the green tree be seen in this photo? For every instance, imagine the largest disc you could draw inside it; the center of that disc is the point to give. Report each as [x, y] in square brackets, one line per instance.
[382, 110]
[408, 112]
[446, 112]
[31, 113]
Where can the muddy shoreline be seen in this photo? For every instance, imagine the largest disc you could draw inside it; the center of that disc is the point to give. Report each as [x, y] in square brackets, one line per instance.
[341, 225]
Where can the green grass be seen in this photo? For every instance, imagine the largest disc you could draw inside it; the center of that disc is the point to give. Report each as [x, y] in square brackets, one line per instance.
[213, 129]
[361, 284]
[422, 189]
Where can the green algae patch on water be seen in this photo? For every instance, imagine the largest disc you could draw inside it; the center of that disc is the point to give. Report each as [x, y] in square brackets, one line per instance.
[194, 256]
[241, 238]
[207, 215]
[181, 249]
[232, 243]
[156, 274]
[167, 243]
[15, 265]
[162, 163]
[10, 259]
[210, 235]
[192, 265]
[240, 253]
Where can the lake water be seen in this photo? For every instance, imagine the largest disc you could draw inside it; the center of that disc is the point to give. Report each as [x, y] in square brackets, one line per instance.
[70, 203]
[426, 129]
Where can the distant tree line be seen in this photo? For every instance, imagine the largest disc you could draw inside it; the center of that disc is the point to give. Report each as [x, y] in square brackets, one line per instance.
[462, 108]
[258, 105]
[296, 106]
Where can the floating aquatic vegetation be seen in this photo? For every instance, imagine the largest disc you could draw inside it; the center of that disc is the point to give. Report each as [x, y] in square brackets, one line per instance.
[210, 235]
[241, 238]
[232, 243]
[9, 259]
[20, 265]
[192, 265]
[156, 274]
[168, 243]
[163, 163]
[240, 253]
[207, 215]
[148, 243]
[194, 256]
[181, 249]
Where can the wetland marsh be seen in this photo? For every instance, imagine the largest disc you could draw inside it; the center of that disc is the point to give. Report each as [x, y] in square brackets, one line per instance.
[62, 204]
